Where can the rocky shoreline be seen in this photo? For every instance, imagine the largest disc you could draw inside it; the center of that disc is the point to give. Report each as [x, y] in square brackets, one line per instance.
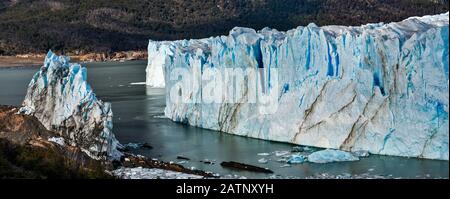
[24, 133]
[27, 148]
[33, 59]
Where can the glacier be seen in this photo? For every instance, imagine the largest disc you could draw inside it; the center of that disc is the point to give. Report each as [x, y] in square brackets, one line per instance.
[381, 88]
[156, 60]
[62, 100]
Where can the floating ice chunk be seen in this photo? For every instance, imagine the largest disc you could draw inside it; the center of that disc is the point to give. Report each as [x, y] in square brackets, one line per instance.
[285, 165]
[361, 153]
[331, 155]
[307, 149]
[297, 159]
[263, 161]
[281, 153]
[131, 146]
[137, 83]
[263, 154]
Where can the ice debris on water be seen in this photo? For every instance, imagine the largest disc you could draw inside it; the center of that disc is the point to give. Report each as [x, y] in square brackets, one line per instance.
[263, 161]
[297, 149]
[361, 153]
[331, 155]
[281, 153]
[297, 159]
[137, 146]
[146, 173]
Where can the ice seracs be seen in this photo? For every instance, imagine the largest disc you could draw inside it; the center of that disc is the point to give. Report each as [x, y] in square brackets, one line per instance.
[60, 97]
[381, 88]
[157, 55]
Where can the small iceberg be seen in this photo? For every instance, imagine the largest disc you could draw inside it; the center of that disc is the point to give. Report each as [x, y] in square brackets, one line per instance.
[361, 153]
[132, 146]
[297, 159]
[285, 165]
[263, 161]
[281, 153]
[137, 83]
[330, 155]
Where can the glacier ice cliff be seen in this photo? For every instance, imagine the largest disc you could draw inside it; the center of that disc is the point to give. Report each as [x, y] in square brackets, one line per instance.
[62, 100]
[381, 88]
[156, 60]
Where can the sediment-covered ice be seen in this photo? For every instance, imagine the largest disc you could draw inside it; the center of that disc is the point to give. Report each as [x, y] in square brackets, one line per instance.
[381, 88]
[62, 100]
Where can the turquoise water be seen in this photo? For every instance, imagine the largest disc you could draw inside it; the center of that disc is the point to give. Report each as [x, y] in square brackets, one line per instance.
[137, 118]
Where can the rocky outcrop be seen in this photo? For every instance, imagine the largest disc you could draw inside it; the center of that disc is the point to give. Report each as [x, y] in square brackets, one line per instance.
[29, 150]
[62, 100]
[20, 128]
[116, 56]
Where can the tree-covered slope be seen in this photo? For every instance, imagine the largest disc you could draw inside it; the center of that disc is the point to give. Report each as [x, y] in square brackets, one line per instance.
[104, 25]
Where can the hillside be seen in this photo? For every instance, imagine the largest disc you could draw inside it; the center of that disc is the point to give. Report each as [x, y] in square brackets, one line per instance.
[34, 26]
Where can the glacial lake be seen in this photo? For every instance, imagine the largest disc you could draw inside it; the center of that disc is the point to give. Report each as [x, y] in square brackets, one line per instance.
[137, 119]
